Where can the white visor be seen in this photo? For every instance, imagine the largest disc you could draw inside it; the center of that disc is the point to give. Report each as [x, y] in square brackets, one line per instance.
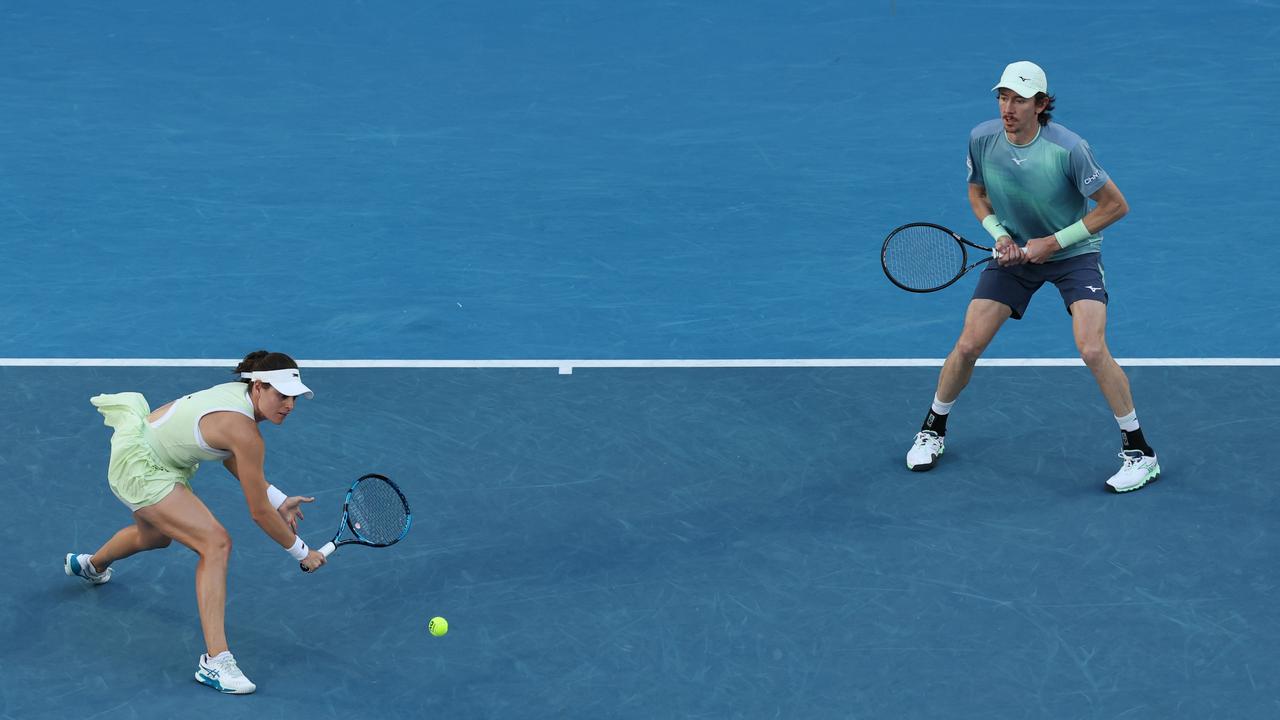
[287, 381]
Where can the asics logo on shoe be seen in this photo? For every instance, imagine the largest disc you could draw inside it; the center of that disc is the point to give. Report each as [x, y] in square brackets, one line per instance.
[224, 676]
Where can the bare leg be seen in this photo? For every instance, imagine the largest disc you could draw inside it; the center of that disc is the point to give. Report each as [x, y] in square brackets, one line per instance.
[1089, 324]
[982, 321]
[130, 540]
[183, 517]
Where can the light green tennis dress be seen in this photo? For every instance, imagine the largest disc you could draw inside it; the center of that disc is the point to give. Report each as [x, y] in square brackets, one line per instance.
[149, 458]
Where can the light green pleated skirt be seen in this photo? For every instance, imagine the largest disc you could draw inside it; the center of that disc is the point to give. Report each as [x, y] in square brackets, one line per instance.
[136, 475]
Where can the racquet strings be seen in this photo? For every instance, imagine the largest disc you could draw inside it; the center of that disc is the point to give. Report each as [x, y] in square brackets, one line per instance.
[377, 512]
[923, 257]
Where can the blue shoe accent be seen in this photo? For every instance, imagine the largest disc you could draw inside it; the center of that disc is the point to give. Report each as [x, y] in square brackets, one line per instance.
[74, 566]
[223, 675]
[204, 679]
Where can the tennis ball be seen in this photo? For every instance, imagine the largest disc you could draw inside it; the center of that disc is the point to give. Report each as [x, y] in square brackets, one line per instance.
[438, 626]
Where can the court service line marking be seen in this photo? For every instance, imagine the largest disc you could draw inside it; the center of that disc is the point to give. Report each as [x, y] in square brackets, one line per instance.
[567, 366]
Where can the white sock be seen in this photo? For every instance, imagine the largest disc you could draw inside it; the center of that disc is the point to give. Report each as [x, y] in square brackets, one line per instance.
[88, 562]
[941, 408]
[219, 655]
[1129, 422]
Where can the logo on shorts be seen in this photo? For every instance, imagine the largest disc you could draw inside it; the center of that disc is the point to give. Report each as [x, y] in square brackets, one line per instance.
[1093, 289]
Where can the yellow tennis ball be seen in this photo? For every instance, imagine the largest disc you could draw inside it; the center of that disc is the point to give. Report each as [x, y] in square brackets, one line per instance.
[438, 626]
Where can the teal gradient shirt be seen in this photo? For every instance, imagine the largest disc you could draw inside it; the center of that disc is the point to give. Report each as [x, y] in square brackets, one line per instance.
[1039, 188]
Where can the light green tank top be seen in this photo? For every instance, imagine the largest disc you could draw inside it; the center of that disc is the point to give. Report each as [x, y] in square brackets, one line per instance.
[176, 437]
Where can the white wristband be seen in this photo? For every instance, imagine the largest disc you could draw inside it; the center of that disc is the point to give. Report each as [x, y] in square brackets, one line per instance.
[299, 550]
[276, 497]
[993, 227]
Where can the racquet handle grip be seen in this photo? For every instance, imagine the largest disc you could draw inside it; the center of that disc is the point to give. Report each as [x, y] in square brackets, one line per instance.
[325, 550]
[995, 254]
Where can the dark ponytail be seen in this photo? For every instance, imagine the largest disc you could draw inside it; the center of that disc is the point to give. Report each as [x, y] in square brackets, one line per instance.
[263, 360]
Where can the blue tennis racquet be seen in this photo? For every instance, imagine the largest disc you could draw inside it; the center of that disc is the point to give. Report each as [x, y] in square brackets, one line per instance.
[374, 513]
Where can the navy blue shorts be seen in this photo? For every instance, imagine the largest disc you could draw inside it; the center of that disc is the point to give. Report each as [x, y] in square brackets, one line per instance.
[1077, 278]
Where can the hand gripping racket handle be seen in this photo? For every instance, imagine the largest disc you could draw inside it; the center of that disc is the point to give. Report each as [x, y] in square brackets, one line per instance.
[325, 550]
[995, 254]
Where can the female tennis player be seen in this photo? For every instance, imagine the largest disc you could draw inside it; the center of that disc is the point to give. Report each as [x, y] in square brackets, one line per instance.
[153, 457]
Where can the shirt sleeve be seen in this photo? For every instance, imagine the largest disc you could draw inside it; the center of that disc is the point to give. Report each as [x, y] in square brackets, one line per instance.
[1085, 171]
[975, 168]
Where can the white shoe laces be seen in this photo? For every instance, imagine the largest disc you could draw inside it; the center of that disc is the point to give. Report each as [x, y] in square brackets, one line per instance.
[227, 666]
[1131, 460]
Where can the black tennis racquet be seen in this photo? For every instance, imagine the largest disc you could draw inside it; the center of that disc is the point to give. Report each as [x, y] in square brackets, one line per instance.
[923, 257]
[374, 513]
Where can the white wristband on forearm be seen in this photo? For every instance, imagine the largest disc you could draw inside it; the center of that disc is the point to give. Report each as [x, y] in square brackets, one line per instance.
[993, 227]
[1072, 234]
[299, 549]
[276, 497]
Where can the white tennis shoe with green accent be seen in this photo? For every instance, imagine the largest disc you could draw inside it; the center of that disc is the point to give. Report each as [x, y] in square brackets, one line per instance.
[222, 674]
[79, 566]
[925, 451]
[1137, 471]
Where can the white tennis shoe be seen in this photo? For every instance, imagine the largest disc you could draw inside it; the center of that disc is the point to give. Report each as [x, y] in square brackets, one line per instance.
[222, 674]
[925, 451]
[79, 566]
[1137, 471]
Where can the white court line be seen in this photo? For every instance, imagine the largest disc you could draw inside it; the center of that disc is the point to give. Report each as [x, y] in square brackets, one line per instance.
[567, 366]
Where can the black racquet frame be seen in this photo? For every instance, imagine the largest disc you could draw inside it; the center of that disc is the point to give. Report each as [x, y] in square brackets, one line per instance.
[345, 523]
[964, 267]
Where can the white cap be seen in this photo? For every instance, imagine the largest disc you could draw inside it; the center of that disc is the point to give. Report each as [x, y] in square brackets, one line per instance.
[1025, 78]
[288, 381]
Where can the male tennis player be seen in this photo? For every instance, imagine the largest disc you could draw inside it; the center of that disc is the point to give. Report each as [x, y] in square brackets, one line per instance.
[1030, 184]
[154, 455]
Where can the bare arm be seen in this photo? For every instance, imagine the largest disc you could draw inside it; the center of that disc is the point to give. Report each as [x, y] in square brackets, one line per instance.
[239, 435]
[289, 509]
[981, 205]
[1110, 206]
[979, 201]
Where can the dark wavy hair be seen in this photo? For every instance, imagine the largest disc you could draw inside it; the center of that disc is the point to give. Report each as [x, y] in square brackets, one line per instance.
[263, 360]
[1044, 117]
